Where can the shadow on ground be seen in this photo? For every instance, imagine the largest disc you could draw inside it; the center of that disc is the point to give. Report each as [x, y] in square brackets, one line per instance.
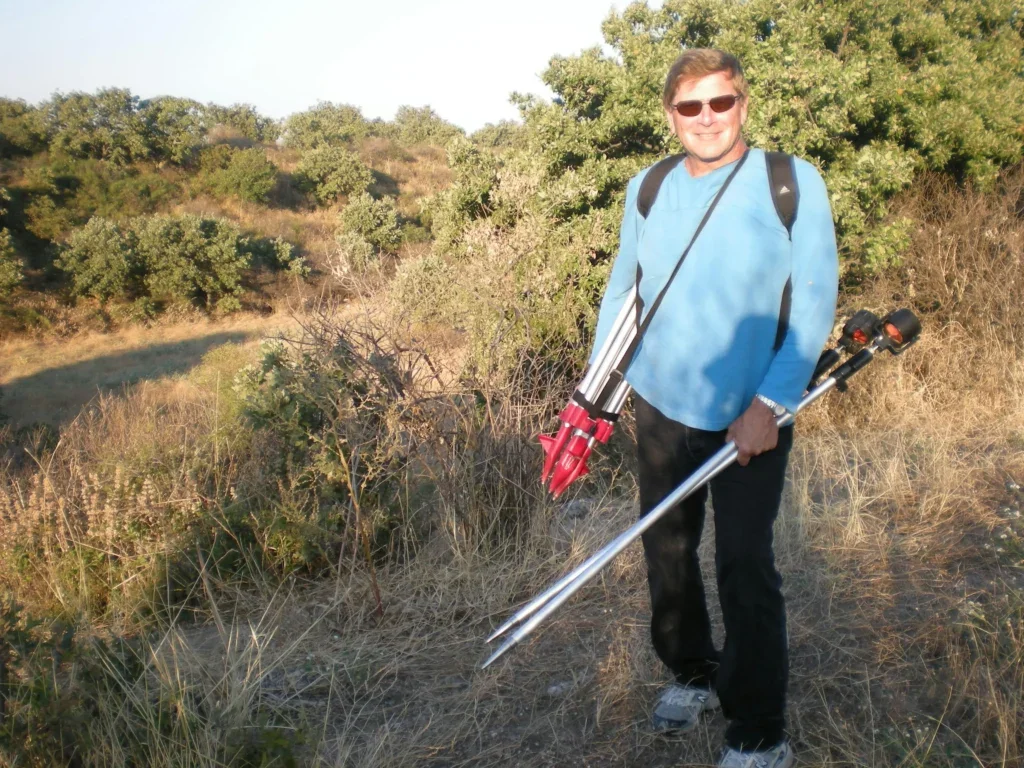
[56, 395]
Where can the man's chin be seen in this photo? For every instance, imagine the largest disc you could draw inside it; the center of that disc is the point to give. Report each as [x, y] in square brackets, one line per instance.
[707, 154]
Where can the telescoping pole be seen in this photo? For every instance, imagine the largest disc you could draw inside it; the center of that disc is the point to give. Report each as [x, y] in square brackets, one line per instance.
[898, 331]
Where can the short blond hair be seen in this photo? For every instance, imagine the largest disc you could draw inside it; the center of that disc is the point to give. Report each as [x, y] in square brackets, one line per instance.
[696, 63]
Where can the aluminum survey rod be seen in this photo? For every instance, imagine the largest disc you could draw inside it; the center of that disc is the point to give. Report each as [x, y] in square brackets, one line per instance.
[620, 336]
[567, 586]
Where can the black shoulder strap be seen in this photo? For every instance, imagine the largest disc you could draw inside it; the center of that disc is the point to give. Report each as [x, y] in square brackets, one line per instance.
[652, 182]
[786, 197]
[782, 180]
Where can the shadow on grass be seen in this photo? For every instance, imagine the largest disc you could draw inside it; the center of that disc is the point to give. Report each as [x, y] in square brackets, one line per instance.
[56, 395]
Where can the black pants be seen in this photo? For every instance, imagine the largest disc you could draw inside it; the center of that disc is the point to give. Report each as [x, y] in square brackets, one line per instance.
[750, 674]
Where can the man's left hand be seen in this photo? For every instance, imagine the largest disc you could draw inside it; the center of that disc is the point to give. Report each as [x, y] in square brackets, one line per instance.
[754, 432]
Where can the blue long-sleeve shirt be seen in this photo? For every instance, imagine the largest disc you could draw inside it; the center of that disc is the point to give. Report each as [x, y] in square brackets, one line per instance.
[710, 347]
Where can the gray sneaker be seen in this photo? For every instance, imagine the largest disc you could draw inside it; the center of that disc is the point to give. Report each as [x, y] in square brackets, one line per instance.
[780, 756]
[679, 707]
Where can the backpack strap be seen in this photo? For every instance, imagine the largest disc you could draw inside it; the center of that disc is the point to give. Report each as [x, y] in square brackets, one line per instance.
[645, 200]
[786, 197]
[652, 182]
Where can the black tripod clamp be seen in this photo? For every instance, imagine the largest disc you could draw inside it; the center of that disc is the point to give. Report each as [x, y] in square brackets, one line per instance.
[895, 333]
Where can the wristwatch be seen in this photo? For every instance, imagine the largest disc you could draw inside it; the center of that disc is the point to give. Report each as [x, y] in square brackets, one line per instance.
[777, 410]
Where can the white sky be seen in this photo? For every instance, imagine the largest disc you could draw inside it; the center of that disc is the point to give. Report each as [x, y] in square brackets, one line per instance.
[462, 57]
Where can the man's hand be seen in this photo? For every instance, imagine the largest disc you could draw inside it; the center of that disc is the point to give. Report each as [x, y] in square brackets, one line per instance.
[754, 432]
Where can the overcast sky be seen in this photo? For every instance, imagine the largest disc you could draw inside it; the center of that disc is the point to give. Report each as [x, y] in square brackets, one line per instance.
[462, 57]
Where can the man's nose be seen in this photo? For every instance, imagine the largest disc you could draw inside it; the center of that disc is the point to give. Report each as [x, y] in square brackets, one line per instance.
[707, 115]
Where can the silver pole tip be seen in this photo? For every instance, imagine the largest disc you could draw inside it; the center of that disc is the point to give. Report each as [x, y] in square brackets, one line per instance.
[502, 629]
[499, 653]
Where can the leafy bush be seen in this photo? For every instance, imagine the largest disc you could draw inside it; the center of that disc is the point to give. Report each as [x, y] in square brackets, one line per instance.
[326, 124]
[276, 254]
[174, 127]
[423, 125]
[336, 404]
[243, 118]
[330, 172]
[10, 264]
[22, 128]
[450, 211]
[505, 133]
[376, 221]
[103, 261]
[354, 254]
[190, 258]
[249, 176]
[246, 174]
[164, 258]
[105, 126]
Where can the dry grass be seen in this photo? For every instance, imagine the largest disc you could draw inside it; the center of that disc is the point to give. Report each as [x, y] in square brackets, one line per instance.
[51, 381]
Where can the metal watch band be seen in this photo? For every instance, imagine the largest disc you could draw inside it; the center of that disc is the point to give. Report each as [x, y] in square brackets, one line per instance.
[777, 409]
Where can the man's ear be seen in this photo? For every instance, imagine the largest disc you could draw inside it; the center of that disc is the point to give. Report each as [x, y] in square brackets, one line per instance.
[668, 119]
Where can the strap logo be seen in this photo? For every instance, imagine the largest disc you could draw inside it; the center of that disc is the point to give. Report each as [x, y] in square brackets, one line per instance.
[783, 190]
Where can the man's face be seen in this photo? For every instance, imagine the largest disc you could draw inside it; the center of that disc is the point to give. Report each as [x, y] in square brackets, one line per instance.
[710, 136]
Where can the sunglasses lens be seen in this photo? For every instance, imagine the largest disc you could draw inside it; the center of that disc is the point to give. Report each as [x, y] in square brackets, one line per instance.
[689, 108]
[722, 103]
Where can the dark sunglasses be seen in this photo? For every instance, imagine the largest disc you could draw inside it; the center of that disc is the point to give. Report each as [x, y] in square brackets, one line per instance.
[718, 104]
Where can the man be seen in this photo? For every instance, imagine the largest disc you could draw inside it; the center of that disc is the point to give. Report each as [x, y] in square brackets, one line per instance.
[710, 369]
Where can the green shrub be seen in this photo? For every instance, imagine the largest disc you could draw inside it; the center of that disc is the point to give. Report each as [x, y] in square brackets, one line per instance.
[505, 133]
[276, 254]
[22, 128]
[249, 176]
[330, 172]
[67, 193]
[376, 221]
[105, 126]
[243, 118]
[333, 406]
[423, 125]
[10, 265]
[193, 259]
[162, 259]
[175, 127]
[212, 160]
[450, 211]
[102, 260]
[326, 124]
[353, 256]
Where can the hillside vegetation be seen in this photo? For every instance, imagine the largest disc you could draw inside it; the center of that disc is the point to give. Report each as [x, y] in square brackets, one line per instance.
[114, 209]
[291, 555]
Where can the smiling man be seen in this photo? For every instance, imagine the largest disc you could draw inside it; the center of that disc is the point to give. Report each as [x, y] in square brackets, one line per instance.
[732, 346]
